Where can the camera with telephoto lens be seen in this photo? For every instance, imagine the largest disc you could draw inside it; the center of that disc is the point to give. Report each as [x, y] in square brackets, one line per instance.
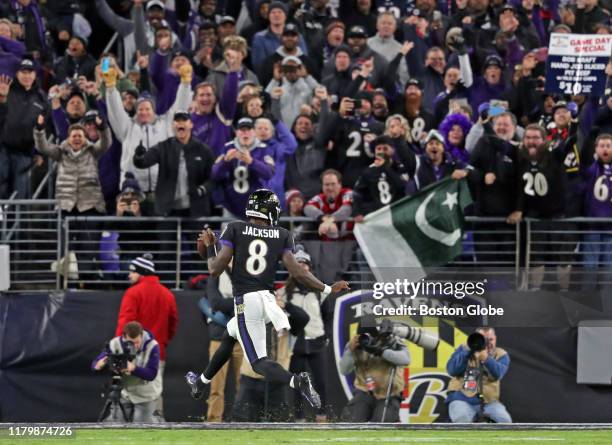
[388, 330]
[117, 362]
[418, 336]
[477, 342]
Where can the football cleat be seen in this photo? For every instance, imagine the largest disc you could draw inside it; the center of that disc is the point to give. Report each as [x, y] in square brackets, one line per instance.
[304, 386]
[195, 384]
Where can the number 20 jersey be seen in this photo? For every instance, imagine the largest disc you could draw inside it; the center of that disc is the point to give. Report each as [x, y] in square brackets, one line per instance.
[352, 154]
[542, 185]
[257, 251]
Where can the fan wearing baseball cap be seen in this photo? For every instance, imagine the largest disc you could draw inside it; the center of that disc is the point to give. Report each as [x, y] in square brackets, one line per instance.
[244, 166]
[148, 17]
[293, 90]
[21, 101]
[357, 40]
[184, 183]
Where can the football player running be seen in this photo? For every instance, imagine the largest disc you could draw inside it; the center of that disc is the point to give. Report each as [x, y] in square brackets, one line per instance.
[256, 246]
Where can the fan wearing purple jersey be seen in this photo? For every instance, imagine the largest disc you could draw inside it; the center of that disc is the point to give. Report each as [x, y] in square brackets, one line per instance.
[597, 243]
[244, 166]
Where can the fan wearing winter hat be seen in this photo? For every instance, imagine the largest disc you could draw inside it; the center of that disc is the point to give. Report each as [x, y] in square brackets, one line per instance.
[128, 201]
[142, 265]
[294, 202]
[435, 164]
[294, 207]
[76, 62]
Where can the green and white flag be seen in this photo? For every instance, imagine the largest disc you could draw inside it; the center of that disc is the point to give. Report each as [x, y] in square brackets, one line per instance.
[423, 230]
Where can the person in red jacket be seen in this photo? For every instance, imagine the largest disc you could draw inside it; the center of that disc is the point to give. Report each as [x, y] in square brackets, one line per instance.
[152, 305]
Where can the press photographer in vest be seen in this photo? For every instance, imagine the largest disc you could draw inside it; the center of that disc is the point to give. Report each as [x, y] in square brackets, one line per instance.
[134, 355]
[476, 370]
[376, 358]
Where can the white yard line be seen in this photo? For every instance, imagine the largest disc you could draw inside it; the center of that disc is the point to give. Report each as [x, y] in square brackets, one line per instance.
[430, 439]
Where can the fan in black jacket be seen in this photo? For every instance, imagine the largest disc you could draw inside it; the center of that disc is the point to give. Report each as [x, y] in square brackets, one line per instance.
[184, 182]
[493, 180]
[20, 106]
[493, 175]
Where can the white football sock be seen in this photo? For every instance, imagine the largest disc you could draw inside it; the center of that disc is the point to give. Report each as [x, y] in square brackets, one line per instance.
[292, 382]
[204, 379]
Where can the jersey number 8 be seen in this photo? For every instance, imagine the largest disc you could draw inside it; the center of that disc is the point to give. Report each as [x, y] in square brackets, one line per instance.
[241, 179]
[256, 262]
[384, 192]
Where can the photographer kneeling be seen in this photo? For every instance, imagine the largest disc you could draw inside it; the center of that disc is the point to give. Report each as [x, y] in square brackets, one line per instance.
[134, 359]
[476, 370]
[374, 357]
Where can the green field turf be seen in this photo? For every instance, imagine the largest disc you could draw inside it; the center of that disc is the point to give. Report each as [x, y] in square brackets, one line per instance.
[279, 437]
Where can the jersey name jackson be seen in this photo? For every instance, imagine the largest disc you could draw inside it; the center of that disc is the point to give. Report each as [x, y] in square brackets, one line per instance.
[261, 233]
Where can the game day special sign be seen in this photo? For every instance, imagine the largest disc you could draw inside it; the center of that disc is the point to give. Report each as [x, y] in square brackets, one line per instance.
[576, 63]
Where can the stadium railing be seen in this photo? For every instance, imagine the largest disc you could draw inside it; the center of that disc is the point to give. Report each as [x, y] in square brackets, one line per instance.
[49, 252]
[31, 229]
[584, 244]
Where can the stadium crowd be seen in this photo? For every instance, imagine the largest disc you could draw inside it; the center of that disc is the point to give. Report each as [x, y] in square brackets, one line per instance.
[276, 92]
[211, 100]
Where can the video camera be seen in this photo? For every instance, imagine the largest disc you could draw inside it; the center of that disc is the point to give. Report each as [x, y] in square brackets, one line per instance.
[388, 329]
[117, 362]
